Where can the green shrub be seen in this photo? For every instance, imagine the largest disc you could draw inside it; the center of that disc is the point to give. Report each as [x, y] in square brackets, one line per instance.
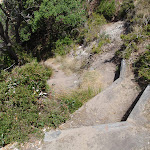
[90, 32]
[130, 42]
[148, 47]
[5, 60]
[94, 25]
[142, 68]
[20, 107]
[23, 109]
[103, 39]
[81, 37]
[96, 20]
[62, 46]
[107, 9]
[76, 99]
[126, 7]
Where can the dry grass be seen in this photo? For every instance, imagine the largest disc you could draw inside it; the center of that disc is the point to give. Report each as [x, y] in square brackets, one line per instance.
[88, 79]
[69, 64]
[142, 11]
[91, 79]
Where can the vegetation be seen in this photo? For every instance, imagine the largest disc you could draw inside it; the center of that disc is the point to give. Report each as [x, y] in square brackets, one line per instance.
[62, 46]
[23, 22]
[44, 28]
[25, 107]
[138, 34]
[76, 99]
[89, 33]
[126, 8]
[142, 69]
[107, 9]
[130, 44]
[20, 106]
[103, 39]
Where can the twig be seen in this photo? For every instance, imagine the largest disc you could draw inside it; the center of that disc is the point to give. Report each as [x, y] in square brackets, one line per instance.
[9, 67]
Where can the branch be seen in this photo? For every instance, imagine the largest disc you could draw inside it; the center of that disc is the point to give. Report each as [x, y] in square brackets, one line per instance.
[6, 28]
[9, 67]
[5, 12]
[2, 34]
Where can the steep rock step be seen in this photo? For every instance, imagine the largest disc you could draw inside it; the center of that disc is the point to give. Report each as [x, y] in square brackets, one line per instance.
[118, 136]
[129, 135]
[107, 107]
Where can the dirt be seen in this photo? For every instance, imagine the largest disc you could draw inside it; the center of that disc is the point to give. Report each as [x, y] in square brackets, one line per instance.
[60, 82]
[102, 63]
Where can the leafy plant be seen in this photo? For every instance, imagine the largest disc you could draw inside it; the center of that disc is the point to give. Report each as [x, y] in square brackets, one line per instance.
[20, 91]
[66, 12]
[25, 107]
[130, 42]
[126, 7]
[36, 26]
[94, 24]
[62, 46]
[142, 68]
[103, 39]
[107, 9]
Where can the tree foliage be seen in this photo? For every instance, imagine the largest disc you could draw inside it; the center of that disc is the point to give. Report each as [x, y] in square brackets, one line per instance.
[107, 8]
[24, 21]
[66, 12]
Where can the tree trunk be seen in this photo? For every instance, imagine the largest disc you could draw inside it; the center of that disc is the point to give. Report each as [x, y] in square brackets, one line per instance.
[17, 34]
[17, 26]
[12, 54]
[7, 43]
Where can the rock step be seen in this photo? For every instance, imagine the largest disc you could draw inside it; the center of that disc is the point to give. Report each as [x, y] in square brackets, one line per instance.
[118, 136]
[109, 106]
[129, 135]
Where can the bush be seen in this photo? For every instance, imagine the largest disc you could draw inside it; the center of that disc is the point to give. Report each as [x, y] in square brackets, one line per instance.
[130, 44]
[142, 69]
[126, 7]
[24, 110]
[77, 98]
[20, 107]
[62, 46]
[103, 39]
[93, 26]
[107, 9]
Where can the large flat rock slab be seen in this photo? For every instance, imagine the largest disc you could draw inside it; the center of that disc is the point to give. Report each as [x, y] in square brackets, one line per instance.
[133, 134]
[118, 136]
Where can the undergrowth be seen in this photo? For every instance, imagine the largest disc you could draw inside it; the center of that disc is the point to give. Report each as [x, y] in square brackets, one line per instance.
[138, 26]
[77, 98]
[21, 112]
[63, 46]
[103, 39]
[91, 29]
[137, 36]
[142, 69]
[107, 9]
